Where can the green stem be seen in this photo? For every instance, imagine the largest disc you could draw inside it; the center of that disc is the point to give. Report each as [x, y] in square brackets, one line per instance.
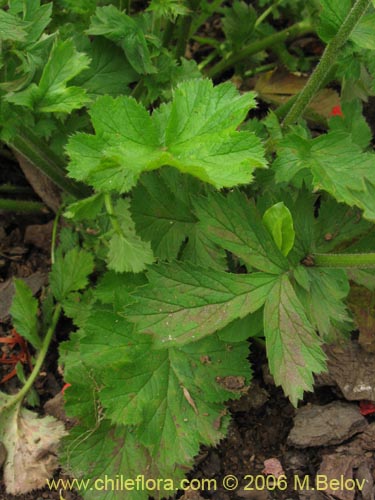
[184, 29]
[21, 206]
[266, 13]
[41, 156]
[110, 211]
[168, 33]
[12, 189]
[326, 62]
[343, 260]
[41, 357]
[293, 31]
[54, 234]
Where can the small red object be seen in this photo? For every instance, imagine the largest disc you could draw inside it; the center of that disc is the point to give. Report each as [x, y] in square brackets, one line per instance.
[14, 351]
[366, 407]
[337, 111]
[65, 387]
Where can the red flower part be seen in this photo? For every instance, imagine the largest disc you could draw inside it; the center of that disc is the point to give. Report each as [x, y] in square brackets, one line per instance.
[65, 387]
[366, 407]
[337, 111]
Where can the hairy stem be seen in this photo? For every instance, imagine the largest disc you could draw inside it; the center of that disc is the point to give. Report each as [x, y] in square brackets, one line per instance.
[344, 260]
[293, 31]
[21, 206]
[326, 62]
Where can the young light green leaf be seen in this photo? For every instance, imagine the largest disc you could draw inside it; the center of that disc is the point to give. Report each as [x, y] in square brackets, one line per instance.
[196, 134]
[24, 312]
[233, 223]
[278, 220]
[352, 122]
[70, 272]
[125, 32]
[127, 252]
[337, 166]
[293, 347]
[183, 303]
[52, 94]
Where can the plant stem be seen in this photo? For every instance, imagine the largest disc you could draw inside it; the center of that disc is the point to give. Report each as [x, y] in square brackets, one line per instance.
[293, 31]
[184, 29]
[343, 260]
[54, 234]
[266, 13]
[21, 206]
[168, 33]
[110, 211]
[328, 59]
[41, 356]
[12, 189]
[42, 157]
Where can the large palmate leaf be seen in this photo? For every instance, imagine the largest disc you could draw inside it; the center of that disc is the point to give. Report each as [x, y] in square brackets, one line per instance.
[337, 166]
[183, 303]
[153, 397]
[196, 134]
[293, 347]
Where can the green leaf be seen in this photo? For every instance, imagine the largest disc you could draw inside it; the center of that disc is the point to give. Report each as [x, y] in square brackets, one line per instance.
[163, 214]
[125, 32]
[127, 252]
[293, 347]
[109, 72]
[332, 16]
[196, 134]
[323, 302]
[278, 220]
[183, 303]
[52, 94]
[118, 454]
[176, 395]
[363, 32]
[338, 226]
[24, 312]
[11, 27]
[352, 122]
[70, 272]
[233, 223]
[238, 23]
[337, 165]
[88, 208]
[166, 396]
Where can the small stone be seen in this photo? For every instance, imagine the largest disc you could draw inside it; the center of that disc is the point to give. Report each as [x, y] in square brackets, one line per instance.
[326, 425]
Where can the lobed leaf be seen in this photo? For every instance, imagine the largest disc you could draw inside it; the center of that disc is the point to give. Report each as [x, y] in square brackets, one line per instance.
[196, 134]
[70, 272]
[233, 223]
[293, 347]
[24, 312]
[183, 303]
